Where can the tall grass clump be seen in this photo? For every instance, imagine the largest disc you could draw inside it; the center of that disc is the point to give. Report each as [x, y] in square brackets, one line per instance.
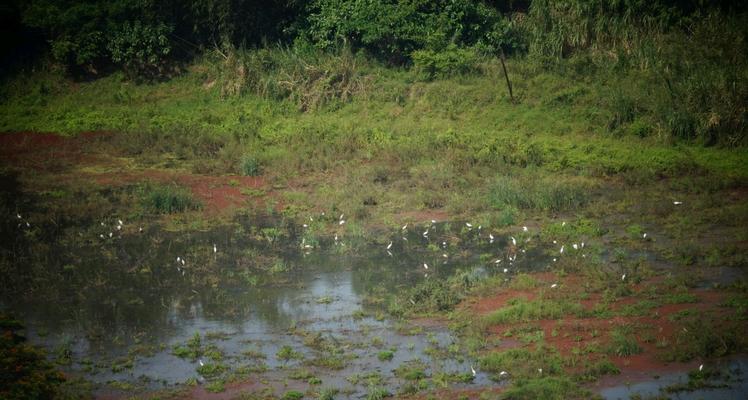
[520, 310]
[167, 199]
[307, 78]
[687, 65]
[549, 194]
[250, 166]
[523, 362]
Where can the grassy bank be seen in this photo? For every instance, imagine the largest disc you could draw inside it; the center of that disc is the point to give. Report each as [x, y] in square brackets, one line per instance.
[376, 141]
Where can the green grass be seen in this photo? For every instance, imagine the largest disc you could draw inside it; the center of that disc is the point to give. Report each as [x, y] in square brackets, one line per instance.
[552, 388]
[522, 362]
[623, 343]
[167, 199]
[549, 194]
[521, 310]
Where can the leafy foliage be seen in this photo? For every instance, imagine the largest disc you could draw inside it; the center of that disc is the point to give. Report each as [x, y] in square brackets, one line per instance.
[393, 30]
[141, 49]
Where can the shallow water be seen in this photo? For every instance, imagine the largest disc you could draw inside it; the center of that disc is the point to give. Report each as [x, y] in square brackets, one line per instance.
[733, 380]
[117, 307]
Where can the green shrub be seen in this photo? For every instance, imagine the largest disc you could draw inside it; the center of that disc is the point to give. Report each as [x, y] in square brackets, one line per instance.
[430, 64]
[250, 166]
[393, 30]
[141, 49]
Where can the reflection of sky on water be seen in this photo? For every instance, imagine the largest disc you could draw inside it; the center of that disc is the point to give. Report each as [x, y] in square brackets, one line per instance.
[323, 294]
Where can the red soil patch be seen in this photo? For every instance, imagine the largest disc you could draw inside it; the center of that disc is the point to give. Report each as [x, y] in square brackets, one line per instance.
[48, 151]
[218, 194]
[52, 154]
[568, 335]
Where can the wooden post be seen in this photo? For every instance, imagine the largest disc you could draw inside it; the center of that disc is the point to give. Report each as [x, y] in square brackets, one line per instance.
[506, 75]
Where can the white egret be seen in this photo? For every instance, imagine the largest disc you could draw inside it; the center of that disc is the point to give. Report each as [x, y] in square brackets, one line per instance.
[405, 227]
[433, 222]
[389, 246]
[555, 285]
[575, 246]
[341, 217]
[677, 203]
[389, 253]
[701, 367]
[201, 362]
[623, 277]
[445, 255]
[342, 221]
[468, 224]
[644, 236]
[120, 221]
[305, 226]
[554, 260]
[426, 266]
[506, 270]
[503, 373]
[472, 369]
[562, 250]
[215, 249]
[514, 241]
[524, 229]
[563, 223]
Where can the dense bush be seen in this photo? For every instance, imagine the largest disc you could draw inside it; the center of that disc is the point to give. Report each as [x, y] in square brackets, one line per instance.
[448, 62]
[142, 50]
[393, 30]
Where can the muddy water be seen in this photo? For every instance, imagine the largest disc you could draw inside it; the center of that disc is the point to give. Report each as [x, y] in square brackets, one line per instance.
[114, 308]
[729, 384]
